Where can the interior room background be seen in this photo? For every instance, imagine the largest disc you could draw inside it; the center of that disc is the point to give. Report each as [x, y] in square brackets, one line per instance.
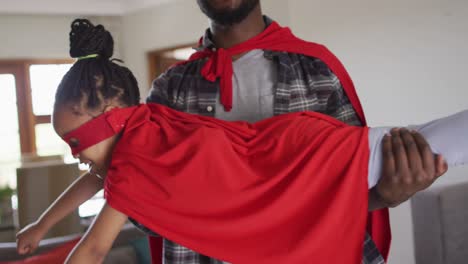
[408, 60]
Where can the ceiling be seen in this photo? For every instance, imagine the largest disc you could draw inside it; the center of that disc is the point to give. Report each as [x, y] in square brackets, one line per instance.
[76, 7]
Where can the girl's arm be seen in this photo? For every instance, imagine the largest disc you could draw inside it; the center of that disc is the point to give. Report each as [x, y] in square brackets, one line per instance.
[99, 238]
[78, 192]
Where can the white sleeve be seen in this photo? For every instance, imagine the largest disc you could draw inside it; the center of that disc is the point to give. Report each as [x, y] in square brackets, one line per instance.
[447, 136]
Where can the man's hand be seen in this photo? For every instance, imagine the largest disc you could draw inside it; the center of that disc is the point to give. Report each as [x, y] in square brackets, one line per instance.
[409, 166]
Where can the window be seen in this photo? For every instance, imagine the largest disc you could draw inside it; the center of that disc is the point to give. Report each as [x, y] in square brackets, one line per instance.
[45, 79]
[28, 90]
[48, 143]
[161, 60]
[35, 85]
[9, 131]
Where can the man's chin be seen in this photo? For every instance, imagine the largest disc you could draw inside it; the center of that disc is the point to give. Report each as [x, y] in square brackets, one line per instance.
[227, 12]
[222, 5]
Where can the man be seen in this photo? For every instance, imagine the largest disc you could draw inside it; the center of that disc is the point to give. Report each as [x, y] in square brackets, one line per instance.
[267, 83]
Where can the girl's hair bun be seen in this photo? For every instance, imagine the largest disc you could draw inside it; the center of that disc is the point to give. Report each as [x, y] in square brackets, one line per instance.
[87, 39]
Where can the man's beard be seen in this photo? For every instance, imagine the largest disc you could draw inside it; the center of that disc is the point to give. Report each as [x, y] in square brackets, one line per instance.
[228, 17]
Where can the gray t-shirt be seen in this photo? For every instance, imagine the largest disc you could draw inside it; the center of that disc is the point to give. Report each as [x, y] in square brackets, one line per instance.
[253, 89]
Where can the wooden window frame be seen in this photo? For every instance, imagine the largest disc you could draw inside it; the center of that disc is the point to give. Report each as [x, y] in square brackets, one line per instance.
[26, 118]
[154, 57]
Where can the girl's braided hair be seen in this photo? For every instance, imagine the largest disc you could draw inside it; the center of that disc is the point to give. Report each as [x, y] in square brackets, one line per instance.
[96, 77]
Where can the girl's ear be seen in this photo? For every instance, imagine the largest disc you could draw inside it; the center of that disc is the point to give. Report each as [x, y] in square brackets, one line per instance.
[77, 109]
[112, 103]
[109, 107]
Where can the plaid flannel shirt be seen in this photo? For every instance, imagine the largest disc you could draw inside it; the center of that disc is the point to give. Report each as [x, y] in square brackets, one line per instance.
[303, 83]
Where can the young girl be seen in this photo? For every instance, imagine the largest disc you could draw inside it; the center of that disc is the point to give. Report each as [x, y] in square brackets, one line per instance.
[292, 183]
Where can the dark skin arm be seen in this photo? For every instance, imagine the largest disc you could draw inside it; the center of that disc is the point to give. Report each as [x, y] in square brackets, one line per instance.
[409, 166]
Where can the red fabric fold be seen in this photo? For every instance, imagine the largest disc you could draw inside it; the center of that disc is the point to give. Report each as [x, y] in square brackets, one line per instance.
[277, 38]
[296, 184]
[274, 38]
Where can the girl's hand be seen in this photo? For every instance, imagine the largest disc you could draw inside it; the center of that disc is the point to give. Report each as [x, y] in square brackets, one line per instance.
[27, 240]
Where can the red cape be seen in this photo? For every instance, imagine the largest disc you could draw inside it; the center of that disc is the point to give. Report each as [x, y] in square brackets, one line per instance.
[277, 38]
[289, 189]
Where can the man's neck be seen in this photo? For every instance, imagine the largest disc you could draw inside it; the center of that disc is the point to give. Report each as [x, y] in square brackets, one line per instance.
[228, 36]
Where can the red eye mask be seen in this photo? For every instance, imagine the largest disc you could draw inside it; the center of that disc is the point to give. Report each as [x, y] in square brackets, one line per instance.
[98, 129]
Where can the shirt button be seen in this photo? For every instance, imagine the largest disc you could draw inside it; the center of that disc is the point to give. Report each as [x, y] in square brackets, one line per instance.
[209, 108]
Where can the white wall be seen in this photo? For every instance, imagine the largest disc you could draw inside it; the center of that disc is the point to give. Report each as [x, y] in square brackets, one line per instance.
[152, 29]
[34, 36]
[409, 62]
[43, 36]
[177, 23]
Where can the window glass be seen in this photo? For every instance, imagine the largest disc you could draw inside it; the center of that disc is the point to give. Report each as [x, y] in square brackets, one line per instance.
[9, 131]
[45, 79]
[49, 143]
